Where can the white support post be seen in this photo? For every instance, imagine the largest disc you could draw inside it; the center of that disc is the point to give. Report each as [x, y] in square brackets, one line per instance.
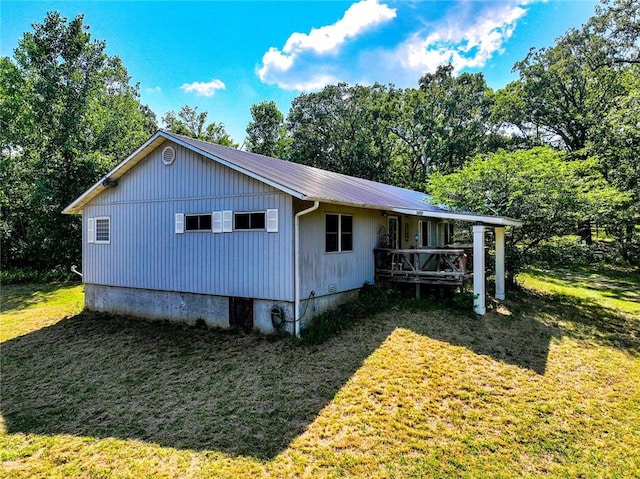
[499, 232]
[479, 285]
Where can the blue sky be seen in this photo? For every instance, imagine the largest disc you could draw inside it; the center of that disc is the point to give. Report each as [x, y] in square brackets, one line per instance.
[225, 56]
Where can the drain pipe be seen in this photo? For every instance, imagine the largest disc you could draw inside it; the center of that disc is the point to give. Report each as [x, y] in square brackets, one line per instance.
[296, 279]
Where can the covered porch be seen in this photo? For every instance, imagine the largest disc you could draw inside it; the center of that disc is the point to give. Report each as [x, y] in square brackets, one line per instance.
[438, 261]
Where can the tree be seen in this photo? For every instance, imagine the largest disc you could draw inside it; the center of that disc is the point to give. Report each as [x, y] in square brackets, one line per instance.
[189, 122]
[459, 109]
[344, 129]
[541, 187]
[265, 133]
[62, 101]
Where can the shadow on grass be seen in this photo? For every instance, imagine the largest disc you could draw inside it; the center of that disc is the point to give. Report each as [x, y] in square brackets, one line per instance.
[244, 395]
[20, 296]
[584, 319]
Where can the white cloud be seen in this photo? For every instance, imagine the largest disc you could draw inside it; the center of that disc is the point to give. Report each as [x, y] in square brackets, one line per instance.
[278, 66]
[465, 40]
[202, 88]
[155, 89]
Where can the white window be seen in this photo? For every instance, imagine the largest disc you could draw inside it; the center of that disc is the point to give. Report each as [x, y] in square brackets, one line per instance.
[338, 233]
[250, 221]
[197, 222]
[425, 234]
[103, 230]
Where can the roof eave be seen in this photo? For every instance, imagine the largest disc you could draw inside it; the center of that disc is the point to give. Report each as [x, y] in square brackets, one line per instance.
[473, 218]
[120, 169]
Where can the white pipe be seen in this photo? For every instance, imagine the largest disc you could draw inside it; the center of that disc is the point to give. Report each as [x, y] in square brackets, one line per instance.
[296, 286]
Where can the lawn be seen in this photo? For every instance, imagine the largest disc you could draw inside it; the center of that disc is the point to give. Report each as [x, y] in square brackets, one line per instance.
[546, 384]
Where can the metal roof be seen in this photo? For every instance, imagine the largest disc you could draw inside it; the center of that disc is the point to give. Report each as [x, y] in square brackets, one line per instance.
[301, 181]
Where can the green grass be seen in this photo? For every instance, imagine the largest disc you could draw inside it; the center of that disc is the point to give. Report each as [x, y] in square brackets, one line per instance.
[546, 384]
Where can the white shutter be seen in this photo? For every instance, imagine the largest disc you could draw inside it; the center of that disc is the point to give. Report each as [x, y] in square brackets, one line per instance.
[216, 221]
[272, 221]
[179, 223]
[227, 221]
[91, 230]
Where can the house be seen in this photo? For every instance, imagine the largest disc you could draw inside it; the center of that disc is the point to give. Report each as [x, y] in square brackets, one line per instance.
[187, 230]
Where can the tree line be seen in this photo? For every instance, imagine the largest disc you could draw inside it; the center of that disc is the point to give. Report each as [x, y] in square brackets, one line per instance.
[558, 148]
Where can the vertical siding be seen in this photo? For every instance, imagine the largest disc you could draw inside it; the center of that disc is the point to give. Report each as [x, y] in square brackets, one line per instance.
[145, 252]
[345, 270]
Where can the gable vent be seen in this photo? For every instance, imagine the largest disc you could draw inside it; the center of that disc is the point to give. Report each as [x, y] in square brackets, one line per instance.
[168, 155]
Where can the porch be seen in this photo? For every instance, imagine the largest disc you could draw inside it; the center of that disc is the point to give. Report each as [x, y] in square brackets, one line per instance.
[441, 266]
[447, 266]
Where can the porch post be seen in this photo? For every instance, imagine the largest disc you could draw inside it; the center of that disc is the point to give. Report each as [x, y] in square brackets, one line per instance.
[499, 231]
[478, 270]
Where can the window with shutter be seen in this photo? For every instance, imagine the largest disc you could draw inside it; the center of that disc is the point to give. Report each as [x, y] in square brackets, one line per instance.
[179, 223]
[91, 230]
[272, 221]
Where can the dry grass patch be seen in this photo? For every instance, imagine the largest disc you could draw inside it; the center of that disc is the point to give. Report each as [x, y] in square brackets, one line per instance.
[405, 394]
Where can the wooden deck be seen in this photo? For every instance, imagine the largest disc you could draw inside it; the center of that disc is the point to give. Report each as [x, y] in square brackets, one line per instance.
[422, 266]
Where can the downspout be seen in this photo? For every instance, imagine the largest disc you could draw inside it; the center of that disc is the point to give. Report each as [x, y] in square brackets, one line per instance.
[296, 279]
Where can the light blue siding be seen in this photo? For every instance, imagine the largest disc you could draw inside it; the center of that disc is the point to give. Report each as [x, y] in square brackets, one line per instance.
[145, 252]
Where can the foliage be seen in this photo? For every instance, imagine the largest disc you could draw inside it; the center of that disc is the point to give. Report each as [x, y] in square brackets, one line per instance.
[31, 275]
[541, 187]
[68, 115]
[189, 122]
[344, 129]
[265, 133]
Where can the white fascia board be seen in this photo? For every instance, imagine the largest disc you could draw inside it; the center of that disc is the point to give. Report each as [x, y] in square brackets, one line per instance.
[234, 167]
[486, 219]
[120, 169]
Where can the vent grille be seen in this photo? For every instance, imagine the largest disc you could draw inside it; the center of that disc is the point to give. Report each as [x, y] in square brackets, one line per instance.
[168, 155]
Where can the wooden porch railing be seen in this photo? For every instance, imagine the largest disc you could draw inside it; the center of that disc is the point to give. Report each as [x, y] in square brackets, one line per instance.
[423, 266]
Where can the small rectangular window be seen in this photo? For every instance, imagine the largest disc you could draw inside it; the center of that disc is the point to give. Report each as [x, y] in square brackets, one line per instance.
[338, 233]
[249, 221]
[197, 222]
[425, 234]
[346, 233]
[103, 230]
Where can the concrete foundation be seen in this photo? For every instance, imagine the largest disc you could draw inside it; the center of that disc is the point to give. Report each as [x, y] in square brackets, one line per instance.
[179, 307]
[190, 307]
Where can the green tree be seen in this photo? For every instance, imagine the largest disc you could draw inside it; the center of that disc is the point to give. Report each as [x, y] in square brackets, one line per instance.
[458, 111]
[62, 101]
[344, 129]
[189, 122]
[541, 187]
[266, 134]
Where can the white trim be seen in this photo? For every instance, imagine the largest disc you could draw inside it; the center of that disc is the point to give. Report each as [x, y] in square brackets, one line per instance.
[339, 232]
[216, 221]
[490, 220]
[91, 231]
[179, 223]
[108, 220]
[227, 221]
[499, 234]
[272, 220]
[479, 287]
[424, 244]
[250, 213]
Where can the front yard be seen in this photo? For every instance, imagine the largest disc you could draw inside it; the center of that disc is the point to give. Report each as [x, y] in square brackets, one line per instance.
[548, 383]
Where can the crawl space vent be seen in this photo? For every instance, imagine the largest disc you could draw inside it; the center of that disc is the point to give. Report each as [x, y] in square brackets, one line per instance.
[168, 155]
